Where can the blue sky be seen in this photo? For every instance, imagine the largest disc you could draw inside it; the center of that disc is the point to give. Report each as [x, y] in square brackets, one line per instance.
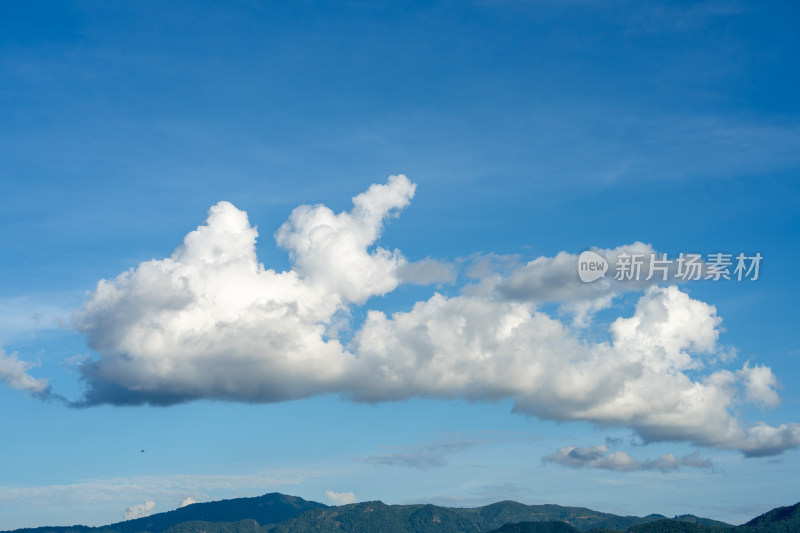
[431, 342]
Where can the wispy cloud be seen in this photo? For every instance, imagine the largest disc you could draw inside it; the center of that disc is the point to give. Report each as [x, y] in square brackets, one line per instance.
[422, 457]
[164, 488]
[24, 315]
[427, 271]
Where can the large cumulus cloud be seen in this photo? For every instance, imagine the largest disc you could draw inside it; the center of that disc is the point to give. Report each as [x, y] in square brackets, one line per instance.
[210, 321]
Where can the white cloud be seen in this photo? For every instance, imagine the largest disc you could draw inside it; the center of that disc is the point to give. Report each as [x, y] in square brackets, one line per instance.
[760, 383]
[598, 457]
[669, 461]
[212, 322]
[340, 498]
[330, 250]
[14, 372]
[140, 510]
[187, 501]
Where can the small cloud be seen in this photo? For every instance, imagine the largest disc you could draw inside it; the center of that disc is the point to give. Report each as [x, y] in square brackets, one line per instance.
[140, 511]
[340, 498]
[668, 462]
[76, 360]
[759, 384]
[187, 501]
[14, 372]
[598, 457]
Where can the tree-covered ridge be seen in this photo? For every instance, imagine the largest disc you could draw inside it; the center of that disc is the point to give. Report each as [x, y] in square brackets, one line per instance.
[702, 521]
[377, 517]
[268, 509]
[497, 514]
[677, 526]
[780, 515]
[778, 520]
[242, 526]
[278, 513]
[537, 527]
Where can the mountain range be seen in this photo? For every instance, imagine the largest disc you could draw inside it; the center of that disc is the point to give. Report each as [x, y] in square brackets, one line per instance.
[280, 513]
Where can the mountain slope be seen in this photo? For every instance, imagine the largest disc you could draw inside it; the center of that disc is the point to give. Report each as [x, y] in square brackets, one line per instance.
[537, 527]
[498, 514]
[279, 513]
[701, 521]
[377, 517]
[779, 520]
[241, 526]
[267, 509]
[668, 525]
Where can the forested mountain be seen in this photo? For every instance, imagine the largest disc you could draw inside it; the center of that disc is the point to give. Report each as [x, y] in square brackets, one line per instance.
[538, 527]
[279, 513]
[371, 517]
[264, 510]
[778, 520]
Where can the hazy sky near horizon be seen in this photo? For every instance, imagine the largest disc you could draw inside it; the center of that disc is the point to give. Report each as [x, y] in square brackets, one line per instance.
[331, 249]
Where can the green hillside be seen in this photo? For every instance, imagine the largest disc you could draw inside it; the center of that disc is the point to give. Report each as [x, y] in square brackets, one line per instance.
[677, 526]
[537, 527]
[279, 513]
[702, 521]
[242, 526]
[778, 520]
[498, 514]
[267, 509]
[377, 517]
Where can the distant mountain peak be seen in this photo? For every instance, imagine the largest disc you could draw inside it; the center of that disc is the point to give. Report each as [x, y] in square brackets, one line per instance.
[779, 514]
